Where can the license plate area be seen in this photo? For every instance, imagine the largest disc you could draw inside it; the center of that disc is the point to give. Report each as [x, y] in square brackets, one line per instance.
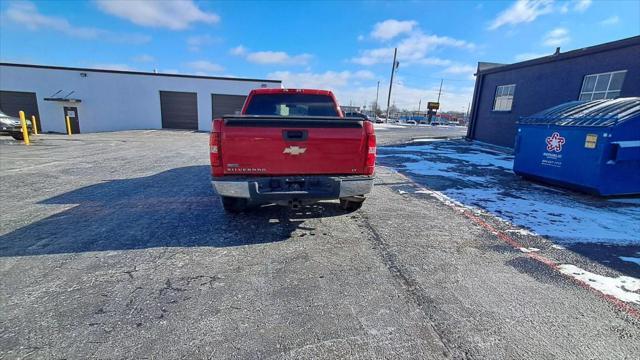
[293, 185]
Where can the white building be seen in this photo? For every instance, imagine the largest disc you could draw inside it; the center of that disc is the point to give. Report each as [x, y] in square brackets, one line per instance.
[110, 100]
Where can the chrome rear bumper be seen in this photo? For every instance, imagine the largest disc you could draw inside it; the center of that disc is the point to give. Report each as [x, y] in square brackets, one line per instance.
[271, 189]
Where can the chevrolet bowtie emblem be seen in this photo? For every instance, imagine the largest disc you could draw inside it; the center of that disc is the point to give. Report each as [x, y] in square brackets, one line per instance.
[294, 150]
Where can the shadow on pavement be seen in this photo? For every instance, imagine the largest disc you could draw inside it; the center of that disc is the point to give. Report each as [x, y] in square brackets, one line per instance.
[172, 208]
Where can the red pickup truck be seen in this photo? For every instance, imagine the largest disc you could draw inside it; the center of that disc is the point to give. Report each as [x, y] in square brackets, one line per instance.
[291, 147]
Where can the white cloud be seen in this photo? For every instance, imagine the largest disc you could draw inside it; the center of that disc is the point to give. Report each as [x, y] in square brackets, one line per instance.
[238, 50]
[391, 28]
[529, 56]
[277, 57]
[556, 37]
[26, 15]
[196, 42]
[582, 5]
[522, 11]
[144, 58]
[460, 69]
[204, 67]
[330, 80]
[434, 61]
[120, 67]
[170, 14]
[271, 57]
[343, 84]
[360, 37]
[564, 8]
[364, 74]
[611, 20]
[412, 49]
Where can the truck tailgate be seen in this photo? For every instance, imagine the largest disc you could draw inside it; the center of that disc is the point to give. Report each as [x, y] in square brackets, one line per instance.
[273, 145]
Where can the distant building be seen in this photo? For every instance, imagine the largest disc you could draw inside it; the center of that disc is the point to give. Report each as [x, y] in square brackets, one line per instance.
[108, 100]
[346, 109]
[504, 93]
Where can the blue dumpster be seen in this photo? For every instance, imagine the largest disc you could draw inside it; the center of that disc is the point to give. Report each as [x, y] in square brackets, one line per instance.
[591, 146]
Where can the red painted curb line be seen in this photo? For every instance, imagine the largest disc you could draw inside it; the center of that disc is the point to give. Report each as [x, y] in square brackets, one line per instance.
[619, 304]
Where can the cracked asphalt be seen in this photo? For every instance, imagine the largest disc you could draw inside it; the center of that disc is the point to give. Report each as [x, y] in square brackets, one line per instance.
[114, 246]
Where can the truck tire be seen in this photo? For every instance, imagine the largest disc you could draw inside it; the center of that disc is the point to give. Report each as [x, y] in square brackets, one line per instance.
[350, 205]
[234, 205]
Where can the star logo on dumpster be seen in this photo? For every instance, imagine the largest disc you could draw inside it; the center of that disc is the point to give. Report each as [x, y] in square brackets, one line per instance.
[555, 142]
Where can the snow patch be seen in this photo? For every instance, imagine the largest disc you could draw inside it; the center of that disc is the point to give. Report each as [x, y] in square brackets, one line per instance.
[630, 259]
[529, 250]
[624, 288]
[558, 247]
[521, 232]
[627, 200]
[431, 168]
[481, 179]
[406, 156]
[556, 216]
[386, 126]
[427, 140]
[424, 167]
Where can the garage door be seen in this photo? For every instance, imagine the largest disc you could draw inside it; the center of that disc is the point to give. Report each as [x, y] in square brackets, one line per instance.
[11, 102]
[226, 104]
[179, 110]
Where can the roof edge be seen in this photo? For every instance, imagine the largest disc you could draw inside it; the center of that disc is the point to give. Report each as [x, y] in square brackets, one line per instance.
[127, 72]
[634, 40]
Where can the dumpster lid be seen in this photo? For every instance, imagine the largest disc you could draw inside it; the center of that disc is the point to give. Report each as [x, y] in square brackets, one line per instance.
[587, 113]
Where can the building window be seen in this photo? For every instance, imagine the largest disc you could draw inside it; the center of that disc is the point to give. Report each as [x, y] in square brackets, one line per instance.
[602, 86]
[504, 97]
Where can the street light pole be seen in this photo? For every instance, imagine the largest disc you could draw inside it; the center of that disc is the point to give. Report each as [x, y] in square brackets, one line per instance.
[375, 111]
[439, 92]
[393, 70]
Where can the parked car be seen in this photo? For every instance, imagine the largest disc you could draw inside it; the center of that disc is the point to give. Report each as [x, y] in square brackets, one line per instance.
[411, 122]
[357, 115]
[291, 147]
[10, 125]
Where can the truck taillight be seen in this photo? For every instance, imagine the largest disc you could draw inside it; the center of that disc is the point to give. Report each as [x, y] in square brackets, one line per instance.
[215, 153]
[371, 148]
[214, 148]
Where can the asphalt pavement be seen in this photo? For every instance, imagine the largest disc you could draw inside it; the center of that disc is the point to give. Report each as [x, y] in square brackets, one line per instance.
[114, 246]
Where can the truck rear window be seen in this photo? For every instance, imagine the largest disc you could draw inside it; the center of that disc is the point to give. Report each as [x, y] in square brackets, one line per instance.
[291, 105]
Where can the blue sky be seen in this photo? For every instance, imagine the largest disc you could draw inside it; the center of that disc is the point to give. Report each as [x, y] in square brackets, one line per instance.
[346, 46]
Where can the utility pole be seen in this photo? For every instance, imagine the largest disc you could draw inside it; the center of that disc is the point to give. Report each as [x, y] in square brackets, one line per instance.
[419, 103]
[439, 92]
[394, 66]
[375, 111]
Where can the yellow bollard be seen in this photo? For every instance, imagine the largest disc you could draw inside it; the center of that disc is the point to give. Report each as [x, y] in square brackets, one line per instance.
[25, 131]
[68, 125]
[34, 125]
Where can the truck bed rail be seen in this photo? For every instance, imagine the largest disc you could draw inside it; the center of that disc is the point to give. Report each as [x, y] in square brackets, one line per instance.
[292, 122]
